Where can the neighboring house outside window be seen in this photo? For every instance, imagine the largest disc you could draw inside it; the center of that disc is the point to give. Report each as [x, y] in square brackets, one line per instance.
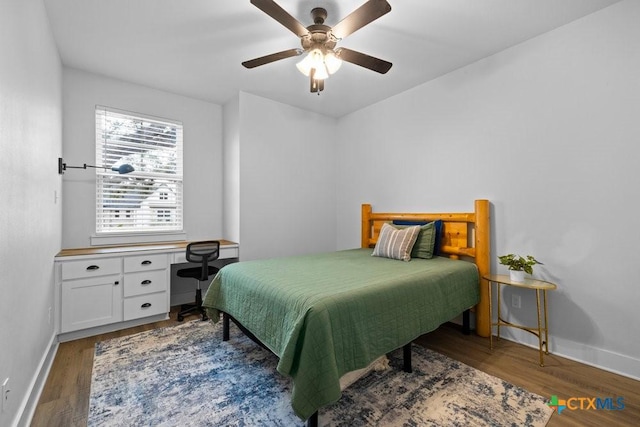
[149, 199]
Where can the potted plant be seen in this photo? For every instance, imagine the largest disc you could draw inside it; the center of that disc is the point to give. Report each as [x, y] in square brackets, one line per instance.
[518, 265]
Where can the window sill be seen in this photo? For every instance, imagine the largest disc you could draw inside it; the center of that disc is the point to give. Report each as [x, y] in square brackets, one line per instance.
[123, 239]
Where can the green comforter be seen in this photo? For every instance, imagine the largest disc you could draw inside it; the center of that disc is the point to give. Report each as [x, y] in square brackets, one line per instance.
[327, 314]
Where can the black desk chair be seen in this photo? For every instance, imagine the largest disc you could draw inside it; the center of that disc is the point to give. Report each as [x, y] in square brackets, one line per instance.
[201, 253]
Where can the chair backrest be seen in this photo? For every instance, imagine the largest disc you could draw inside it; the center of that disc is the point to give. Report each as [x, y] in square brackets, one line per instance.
[203, 253]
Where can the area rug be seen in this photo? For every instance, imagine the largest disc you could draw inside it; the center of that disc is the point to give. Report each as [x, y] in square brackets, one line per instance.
[186, 375]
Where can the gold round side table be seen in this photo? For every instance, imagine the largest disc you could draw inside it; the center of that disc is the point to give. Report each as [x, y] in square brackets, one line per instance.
[542, 330]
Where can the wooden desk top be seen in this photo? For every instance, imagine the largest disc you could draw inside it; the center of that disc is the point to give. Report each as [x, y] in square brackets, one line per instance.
[153, 246]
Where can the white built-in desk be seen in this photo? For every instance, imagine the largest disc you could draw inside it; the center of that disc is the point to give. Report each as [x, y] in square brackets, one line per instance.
[106, 288]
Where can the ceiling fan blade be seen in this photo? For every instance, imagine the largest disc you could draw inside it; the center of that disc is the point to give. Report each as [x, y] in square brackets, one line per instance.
[363, 60]
[252, 63]
[272, 9]
[365, 14]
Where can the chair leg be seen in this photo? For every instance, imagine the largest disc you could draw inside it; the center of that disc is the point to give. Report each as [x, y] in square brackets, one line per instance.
[187, 309]
[199, 303]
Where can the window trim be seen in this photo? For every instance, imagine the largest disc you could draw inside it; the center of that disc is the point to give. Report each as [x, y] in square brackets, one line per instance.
[135, 236]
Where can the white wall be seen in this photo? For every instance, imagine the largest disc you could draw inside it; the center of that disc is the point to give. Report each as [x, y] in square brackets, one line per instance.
[287, 179]
[231, 168]
[202, 133]
[548, 131]
[30, 218]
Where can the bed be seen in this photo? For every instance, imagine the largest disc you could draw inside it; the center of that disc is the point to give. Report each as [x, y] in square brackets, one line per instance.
[328, 314]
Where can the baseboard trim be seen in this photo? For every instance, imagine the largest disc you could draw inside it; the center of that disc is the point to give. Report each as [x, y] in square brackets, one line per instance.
[84, 333]
[596, 357]
[30, 401]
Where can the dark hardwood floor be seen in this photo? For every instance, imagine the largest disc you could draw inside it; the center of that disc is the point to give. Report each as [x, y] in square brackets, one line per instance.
[65, 399]
[562, 377]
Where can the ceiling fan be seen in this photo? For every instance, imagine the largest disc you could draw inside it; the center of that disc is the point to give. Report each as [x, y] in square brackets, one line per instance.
[319, 41]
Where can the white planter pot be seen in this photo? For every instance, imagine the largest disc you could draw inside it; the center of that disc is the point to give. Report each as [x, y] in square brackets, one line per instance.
[516, 276]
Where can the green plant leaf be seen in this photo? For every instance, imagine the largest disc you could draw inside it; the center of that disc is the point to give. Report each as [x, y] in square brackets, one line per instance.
[518, 263]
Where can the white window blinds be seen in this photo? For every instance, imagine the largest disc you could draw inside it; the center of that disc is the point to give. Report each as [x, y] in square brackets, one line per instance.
[149, 199]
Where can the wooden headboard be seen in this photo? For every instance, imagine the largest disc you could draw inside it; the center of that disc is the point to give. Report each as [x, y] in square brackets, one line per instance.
[464, 235]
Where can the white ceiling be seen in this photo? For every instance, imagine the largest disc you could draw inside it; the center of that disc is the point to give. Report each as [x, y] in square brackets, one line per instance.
[195, 47]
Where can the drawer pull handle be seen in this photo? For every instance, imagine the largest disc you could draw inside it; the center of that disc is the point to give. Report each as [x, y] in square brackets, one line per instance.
[146, 262]
[116, 283]
[146, 305]
[92, 267]
[145, 282]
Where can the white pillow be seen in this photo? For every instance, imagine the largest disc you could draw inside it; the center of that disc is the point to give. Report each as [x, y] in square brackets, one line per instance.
[395, 243]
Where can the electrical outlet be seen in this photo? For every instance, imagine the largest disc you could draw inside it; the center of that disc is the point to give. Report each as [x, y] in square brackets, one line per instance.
[49, 318]
[5, 393]
[515, 301]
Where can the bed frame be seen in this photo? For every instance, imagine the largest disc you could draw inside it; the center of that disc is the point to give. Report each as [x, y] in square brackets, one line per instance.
[465, 235]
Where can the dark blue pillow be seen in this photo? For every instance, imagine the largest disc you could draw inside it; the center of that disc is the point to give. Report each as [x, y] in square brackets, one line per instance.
[438, 226]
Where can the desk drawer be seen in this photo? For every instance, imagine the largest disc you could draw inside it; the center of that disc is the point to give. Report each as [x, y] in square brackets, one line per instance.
[145, 282]
[229, 252]
[225, 253]
[91, 268]
[145, 305]
[145, 262]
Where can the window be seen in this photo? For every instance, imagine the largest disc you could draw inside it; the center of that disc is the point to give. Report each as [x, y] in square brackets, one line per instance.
[164, 215]
[149, 199]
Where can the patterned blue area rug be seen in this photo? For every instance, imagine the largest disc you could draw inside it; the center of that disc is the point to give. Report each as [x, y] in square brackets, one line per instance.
[186, 375]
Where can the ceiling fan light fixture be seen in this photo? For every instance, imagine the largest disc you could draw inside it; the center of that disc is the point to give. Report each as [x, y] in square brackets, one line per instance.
[304, 66]
[317, 85]
[325, 64]
[313, 59]
[321, 73]
[332, 62]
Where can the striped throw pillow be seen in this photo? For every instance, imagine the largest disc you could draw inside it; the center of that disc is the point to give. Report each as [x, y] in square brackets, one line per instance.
[394, 243]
